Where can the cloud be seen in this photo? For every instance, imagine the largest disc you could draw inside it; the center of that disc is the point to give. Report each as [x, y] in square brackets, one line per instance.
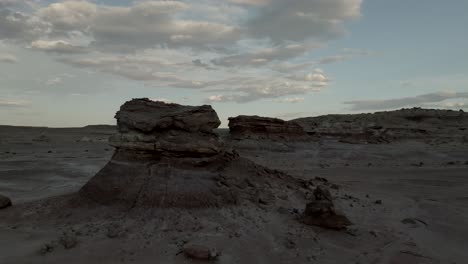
[298, 20]
[316, 78]
[200, 63]
[141, 25]
[292, 115]
[250, 2]
[8, 58]
[333, 59]
[264, 56]
[14, 103]
[167, 101]
[257, 89]
[449, 105]
[19, 27]
[287, 67]
[57, 46]
[405, 101]
[140, 68]
[138, 27]
[147, 24]
[54, 81]
[347, 55]
[15, 3]
[235, 50]
[69, 15]
[406, 83]
[293, 100]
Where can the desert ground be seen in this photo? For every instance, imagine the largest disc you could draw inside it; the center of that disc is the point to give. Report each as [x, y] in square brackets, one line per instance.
[407, 200]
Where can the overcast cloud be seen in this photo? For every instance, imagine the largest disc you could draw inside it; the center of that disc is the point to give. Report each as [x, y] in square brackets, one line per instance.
[431, 99]
[182, 44]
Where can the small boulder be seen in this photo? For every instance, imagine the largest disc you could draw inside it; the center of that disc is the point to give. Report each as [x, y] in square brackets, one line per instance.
[5, 202]
[68, 240]
[321, 212]
[84, 139]
[322, 193]
[200, 252]
[41, 138]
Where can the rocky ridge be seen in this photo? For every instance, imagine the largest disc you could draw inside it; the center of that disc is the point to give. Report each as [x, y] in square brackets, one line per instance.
[257, 127]
[388, 126]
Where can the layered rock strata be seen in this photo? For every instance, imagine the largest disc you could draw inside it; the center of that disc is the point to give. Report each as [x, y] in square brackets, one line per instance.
[257, 127]
[168, 156]
[384, 127]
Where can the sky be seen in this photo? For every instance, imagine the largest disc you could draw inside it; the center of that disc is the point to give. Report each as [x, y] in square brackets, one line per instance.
[73, 63]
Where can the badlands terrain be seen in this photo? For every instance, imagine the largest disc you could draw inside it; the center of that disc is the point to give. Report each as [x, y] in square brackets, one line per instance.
[166, 185]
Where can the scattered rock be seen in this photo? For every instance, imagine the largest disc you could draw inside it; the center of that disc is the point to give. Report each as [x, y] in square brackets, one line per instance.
[352, 231]
[200, 252]
[114, 231]
[308, 184]
[322, 193]
[321, 179]
[413, 221]
[290, 244]
[68, 240]
[46, 248]
[42, 138]
[5, 202]
[84, 139]
[420, 164]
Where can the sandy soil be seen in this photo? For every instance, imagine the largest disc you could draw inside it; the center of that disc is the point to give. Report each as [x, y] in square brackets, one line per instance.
[407, 200]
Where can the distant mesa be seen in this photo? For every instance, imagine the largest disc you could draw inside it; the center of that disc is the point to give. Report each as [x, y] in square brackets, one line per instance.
[388, 126]
[256, 127]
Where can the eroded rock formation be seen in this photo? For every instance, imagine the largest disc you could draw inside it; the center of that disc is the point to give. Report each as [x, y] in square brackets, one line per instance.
[168, 156]
[168, 129]
[257, 127]
[388, 126]
[321, 211]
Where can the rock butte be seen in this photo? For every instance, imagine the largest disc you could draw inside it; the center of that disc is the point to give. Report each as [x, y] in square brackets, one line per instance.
[168, 156]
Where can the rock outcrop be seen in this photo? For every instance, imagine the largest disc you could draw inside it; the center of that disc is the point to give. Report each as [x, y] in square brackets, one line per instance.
[256, 127]
[321, 212]
[388, 126]
[200, 252]
[168, 156]
[4, 202]
[168, 129]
